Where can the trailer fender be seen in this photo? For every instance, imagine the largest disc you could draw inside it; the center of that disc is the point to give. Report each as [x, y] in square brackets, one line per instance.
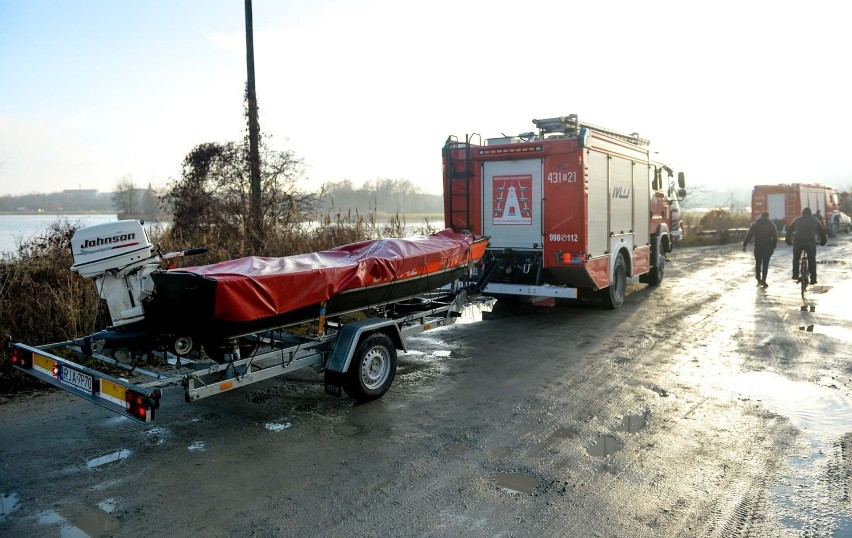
[350, 336]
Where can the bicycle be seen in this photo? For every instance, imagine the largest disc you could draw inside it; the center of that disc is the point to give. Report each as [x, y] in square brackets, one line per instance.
[804, 275]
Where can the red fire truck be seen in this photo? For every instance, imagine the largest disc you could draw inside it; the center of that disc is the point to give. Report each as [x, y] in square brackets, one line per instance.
[570, 208]
[785, 202]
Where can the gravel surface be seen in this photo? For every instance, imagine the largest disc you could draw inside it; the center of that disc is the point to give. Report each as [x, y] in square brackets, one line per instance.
[706, 406]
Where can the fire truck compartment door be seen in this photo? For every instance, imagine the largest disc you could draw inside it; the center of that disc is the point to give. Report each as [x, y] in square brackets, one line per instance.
[512, 192]
[775, 204]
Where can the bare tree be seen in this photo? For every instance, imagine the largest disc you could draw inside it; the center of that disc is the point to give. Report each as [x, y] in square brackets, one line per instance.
[211, 202]
[124, 196]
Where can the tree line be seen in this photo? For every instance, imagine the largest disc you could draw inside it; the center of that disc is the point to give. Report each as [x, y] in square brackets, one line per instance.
[383, 195]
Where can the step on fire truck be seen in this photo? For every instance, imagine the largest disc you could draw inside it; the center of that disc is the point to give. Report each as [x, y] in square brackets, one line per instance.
[571, 208]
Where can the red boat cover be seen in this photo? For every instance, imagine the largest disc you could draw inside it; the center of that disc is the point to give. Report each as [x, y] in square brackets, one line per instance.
[256, 287]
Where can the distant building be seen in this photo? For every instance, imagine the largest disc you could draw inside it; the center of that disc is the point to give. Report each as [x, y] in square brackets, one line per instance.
[81, 193]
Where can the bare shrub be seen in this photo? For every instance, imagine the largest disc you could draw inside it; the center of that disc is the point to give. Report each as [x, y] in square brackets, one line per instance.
[43, 301]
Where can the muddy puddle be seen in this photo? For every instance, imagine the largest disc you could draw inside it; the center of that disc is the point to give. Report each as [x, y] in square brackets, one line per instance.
[633, 423]
[823, 413]
[79, 520]
[474, 310]
[8, 503]
[838, 333]
[516, 483]
[107, 459]
[813, 408]
[605, 445]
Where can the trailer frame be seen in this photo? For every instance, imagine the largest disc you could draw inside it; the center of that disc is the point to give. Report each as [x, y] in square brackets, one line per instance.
[330, 350]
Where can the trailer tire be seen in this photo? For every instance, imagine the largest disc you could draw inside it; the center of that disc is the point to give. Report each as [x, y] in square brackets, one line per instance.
[372, 369]
[613, 295]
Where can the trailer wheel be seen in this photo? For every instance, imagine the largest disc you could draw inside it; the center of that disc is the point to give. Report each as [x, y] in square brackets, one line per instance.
[182, 345]
[372, 369]
[613, 295]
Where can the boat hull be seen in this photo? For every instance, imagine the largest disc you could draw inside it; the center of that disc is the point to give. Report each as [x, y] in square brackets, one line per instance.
[222, 301]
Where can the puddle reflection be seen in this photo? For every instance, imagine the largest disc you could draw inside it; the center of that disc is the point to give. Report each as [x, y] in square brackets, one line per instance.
[109, 458]
[811, 407]
[517, 483]
[83, 521]
[473, 311]
[604, 446]
[633, 423]
[9, 503]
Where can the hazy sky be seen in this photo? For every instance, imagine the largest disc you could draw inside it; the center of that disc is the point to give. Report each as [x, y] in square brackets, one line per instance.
[734, 93]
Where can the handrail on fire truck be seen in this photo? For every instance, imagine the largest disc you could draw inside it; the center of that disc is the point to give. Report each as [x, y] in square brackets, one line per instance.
[571, 125]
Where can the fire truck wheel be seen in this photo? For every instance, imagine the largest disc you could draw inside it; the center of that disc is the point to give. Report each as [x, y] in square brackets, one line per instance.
[613, 296]
[658, 270]
[372, 369]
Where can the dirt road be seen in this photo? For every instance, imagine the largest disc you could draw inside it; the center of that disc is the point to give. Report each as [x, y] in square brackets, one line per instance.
[704, 407]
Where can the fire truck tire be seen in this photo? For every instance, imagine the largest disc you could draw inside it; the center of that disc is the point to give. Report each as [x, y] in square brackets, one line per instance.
[658, 270]
[613, 296]
[372, 369]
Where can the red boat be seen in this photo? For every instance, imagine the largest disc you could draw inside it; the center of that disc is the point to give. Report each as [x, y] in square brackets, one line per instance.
[247, 295]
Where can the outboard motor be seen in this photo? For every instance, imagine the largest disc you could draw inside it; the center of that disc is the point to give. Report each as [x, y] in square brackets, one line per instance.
[120, 258]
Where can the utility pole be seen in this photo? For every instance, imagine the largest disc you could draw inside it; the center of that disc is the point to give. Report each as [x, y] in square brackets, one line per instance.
[256, 224]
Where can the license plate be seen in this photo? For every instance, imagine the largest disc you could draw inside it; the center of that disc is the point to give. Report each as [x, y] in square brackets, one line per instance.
[77, 379]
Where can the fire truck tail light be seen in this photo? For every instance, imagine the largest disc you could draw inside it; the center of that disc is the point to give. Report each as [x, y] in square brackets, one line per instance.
[574, 259]
[22, 358]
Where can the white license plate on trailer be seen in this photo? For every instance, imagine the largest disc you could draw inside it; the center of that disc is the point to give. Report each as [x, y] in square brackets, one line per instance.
[75, 378]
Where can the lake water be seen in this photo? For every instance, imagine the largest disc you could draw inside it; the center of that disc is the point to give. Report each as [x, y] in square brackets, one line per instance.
[16, 227]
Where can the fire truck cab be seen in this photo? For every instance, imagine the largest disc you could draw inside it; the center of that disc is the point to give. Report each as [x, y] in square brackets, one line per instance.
[572, 209]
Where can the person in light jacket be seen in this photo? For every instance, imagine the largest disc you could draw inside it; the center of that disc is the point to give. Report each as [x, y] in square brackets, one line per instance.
[803, 234]
[765, 237]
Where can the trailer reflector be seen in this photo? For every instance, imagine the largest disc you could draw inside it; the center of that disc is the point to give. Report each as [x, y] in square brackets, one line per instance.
[226, 385]
[113, 392]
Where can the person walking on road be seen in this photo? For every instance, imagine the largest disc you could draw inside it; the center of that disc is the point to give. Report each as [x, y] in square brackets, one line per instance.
[803, 234]
[765, 237]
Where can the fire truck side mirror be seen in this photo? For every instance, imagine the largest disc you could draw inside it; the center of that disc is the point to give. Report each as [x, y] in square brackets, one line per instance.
[681, 194]
[583, 137]
[681, 180]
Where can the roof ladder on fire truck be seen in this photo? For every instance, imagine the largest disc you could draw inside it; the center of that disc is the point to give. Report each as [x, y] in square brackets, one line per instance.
[570, 125]
[790, 201]
[457, 183]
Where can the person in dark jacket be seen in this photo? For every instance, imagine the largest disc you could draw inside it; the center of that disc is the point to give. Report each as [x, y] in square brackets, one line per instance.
[803, 234]
[765, 237]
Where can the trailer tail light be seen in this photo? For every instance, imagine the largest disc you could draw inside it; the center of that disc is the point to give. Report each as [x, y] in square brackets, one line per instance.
[138, 404]
[22, 358]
